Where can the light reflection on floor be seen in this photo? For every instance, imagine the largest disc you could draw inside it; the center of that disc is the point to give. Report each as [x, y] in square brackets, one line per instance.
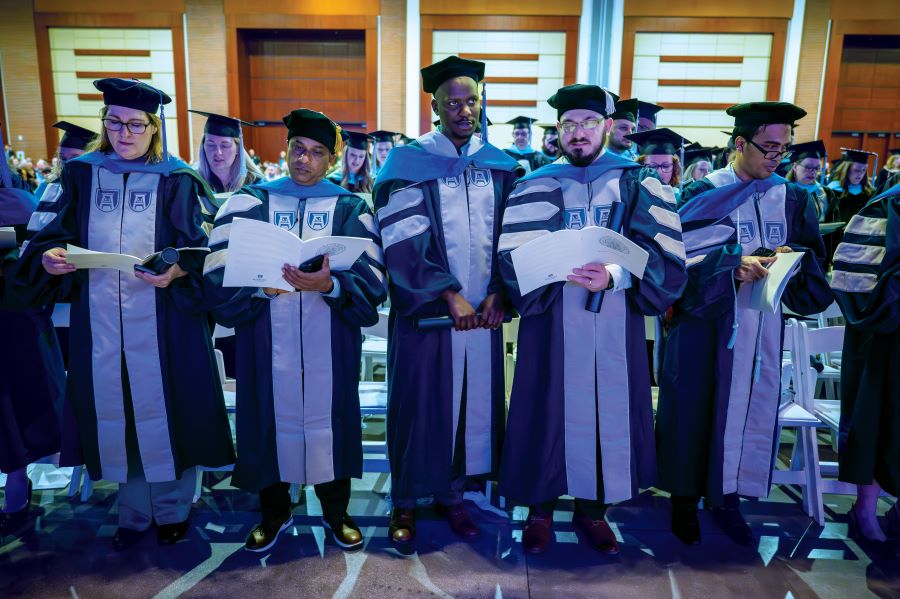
[67, 553]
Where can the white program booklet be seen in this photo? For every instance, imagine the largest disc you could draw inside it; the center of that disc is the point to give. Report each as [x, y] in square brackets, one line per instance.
[84, 258]
[765, 295]
[551, 258]
[257, 251]
[7, 238]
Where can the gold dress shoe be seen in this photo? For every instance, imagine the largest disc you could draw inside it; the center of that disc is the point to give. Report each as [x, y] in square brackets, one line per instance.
[346, 532]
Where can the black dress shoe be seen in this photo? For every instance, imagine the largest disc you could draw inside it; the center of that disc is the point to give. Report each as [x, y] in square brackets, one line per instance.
[402, 529]
[686, 526]
[265, 534]
[169, 534]
[125, 538]
[733, 524]
[345, 531]
[15, 523]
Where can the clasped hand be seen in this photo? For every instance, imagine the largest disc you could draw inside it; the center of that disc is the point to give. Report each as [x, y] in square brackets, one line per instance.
[465, 317]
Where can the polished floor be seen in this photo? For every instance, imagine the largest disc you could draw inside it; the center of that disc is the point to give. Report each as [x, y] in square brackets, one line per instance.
[66, 552]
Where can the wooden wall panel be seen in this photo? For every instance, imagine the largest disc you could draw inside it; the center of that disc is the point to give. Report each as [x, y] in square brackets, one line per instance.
[265, 83]
[304, 7]
[705, 9]
[501, 7]
[106, 7]
[862, 90]
[776, 26]
[171, 21]
[495, 22]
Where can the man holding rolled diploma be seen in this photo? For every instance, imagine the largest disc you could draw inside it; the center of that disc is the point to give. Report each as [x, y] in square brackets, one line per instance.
[580, 416]
[439, 203]
[298, 353]
[720, 386]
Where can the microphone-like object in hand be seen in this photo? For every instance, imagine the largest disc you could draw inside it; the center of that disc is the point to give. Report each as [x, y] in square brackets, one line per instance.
[446, 322]
[616, 215]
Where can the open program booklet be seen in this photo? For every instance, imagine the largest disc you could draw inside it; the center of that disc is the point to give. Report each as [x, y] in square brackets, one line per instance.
[551, 258]
[257, 251]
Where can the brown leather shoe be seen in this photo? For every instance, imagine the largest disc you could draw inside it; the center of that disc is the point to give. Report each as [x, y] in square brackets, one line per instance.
[402, 529]
[598, 534]
[346, 532]
[460, 521]
[538, 532]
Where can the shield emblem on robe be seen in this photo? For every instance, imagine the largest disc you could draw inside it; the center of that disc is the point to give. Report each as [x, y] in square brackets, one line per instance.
[106, 200]
[286, 219]
[317, 220]
[451, 182]
[601, 216]
[747, 232]
[139, 201]
[575, 218]
[479, 177]
[775, 233]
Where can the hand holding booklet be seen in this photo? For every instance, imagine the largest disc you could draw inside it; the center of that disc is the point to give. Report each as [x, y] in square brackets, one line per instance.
[766, 293]
[257, 251]
[551, 258]
[84, 258]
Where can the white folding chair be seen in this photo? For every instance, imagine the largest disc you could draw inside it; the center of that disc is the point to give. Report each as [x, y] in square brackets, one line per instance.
[797, 413]
[822, 342]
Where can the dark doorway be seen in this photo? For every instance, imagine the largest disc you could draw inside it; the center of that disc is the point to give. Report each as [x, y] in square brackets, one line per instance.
[280, 70]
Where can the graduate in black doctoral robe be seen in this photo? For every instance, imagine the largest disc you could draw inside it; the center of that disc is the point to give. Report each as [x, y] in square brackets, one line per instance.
[866, 284]
[439, 203]
[32, 376]
[142, 378]
[720, 386]
[298, 352]
[521, 150]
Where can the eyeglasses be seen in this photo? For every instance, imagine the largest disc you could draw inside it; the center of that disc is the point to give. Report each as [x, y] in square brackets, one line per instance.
[134, 127]
[665, 168]
[570, 127]
[772, 154]
[811, 169]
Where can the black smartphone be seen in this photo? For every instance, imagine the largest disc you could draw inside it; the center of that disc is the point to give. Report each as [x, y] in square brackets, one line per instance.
[314, 264]
[146, 269]
[763, 253]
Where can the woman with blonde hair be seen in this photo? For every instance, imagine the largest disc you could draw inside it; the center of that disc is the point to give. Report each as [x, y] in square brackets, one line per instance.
[222, 161]
[142, 378]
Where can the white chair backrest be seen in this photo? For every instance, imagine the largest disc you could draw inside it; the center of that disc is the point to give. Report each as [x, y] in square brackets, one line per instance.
[787, 362]
[810, 343]
[832, 311]
[824, 340]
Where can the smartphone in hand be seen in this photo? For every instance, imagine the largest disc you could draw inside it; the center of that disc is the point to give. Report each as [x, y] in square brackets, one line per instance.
[314, 264]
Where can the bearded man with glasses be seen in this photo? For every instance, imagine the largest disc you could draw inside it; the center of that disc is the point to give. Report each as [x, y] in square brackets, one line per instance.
[586, 428]
[721, 380]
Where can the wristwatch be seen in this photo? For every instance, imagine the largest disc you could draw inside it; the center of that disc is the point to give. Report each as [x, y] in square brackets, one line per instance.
[610, 284]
